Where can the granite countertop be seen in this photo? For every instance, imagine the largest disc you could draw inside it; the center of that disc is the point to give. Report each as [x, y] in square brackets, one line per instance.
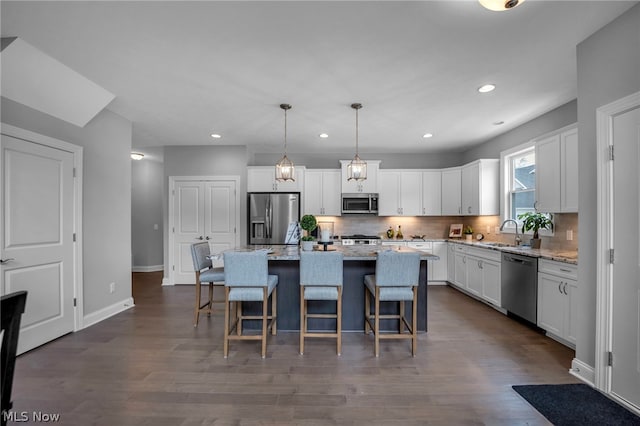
[292, 252]
[566, 256]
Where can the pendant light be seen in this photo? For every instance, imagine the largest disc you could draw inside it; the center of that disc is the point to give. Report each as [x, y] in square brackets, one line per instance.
[500, 5]
[357, 168]
[285, 170]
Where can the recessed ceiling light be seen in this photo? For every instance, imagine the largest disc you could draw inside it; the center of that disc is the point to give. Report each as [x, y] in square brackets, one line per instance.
[137, 156]
[427, 135]
[486, 88]
[215, 136]
[498, 123]
[323, 135]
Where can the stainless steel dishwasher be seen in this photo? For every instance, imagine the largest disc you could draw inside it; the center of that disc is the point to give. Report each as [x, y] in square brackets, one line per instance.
[520, 285]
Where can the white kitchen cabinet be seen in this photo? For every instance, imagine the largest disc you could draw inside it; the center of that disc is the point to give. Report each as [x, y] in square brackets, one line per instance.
[548, 174]
[569, 171]
[480, 187]
[322, 192]
[477, 271]
[369, 185]
[400, 193]
[557, 172]
[557, 294]
[451, 262]
[431, 193]
[263, 179]
[451, 191]
[438, 268]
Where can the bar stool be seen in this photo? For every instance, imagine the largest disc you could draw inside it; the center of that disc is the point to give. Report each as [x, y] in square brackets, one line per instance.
[205, 273]
[396, 280]
[320, 279]
[247, 279]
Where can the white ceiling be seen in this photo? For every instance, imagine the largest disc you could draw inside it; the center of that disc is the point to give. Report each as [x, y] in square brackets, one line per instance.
[182, 70]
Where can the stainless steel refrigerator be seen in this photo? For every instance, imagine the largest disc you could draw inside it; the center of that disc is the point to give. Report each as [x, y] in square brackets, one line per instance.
[271, 216]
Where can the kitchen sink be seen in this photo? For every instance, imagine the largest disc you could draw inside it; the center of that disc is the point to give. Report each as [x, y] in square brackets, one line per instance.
[490, 244]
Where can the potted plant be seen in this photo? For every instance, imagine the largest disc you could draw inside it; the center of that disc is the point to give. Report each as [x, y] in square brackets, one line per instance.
[308, 223]
[468, 232]
[533, 222]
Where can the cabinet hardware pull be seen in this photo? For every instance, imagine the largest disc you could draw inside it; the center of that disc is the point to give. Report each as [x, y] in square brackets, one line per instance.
[207, 238]
[565, 270]
[200, 238]
[560, 287]
[3, 261]
[564, 288]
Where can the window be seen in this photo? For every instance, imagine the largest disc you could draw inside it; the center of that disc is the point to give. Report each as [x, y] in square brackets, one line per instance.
[519, 169]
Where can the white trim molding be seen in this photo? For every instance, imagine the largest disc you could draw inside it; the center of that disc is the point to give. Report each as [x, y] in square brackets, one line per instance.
[151, 268]
[582, 371]
[109, 311]
[604, 121]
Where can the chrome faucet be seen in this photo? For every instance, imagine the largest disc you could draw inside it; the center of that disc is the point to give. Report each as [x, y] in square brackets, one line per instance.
[517, 240]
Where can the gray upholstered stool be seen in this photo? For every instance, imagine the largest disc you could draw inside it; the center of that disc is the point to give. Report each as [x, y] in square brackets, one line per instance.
[320, 279]
[205, 273]
[247, 279]
[396, 280]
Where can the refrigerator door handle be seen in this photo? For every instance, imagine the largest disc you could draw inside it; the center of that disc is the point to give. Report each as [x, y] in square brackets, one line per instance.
[267, 217]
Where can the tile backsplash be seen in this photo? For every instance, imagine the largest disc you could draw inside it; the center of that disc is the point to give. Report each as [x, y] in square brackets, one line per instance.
[437, 227]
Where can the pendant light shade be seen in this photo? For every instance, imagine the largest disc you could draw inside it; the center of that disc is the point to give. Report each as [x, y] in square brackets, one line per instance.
[285, 170]
[499, 5]
[357, 168]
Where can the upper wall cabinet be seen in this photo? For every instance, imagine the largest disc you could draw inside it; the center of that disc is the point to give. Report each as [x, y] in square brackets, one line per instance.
[451, 191]
[557, 172]
[263, 179]
[432, 193]
[322, 192]
[400, 193]
[480, 187]
[369, 185]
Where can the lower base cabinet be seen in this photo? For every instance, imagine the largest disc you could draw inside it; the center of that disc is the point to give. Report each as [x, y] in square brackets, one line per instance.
[477, 271]
[557, 297]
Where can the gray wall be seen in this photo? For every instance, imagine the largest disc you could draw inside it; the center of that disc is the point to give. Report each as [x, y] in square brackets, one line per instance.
[147, 178]
[204, 161]
[388, 161]
[608, 69]
[106, 196]
[562, 116]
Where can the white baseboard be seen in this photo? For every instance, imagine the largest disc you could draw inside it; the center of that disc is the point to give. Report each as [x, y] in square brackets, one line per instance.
[152, 268]
[436, 283]
[109, 311]
[165, 281]
[583, 371]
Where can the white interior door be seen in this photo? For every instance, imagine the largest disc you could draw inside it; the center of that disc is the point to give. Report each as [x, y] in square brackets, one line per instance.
[204, 210]
[625, 312]
[37, 233]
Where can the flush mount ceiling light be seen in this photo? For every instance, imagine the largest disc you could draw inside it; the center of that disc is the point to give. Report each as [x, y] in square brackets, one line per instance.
[285, 170]
[357, 168]
[427, 135]
[323, 135]
[500, 5]
[486, 88]
[137, 156]
[215, 136]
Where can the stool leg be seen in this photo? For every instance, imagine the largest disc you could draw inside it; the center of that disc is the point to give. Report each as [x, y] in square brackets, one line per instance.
[401, 322]
[197, 310]
[265, 309]
[210, 300]
[303, 319]
[376, 326]
[414, 322]
[367, 310]
[339, 321]
[239, 317]
[226, 323]
[274, 312]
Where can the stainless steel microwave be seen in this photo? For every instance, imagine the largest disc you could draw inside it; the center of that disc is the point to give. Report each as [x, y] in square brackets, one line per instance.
[359, 203]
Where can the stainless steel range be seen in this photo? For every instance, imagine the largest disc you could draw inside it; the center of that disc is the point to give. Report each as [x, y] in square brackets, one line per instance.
[359, 239]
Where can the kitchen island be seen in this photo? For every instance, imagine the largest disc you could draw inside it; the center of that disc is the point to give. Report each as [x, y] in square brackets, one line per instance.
[284, 261]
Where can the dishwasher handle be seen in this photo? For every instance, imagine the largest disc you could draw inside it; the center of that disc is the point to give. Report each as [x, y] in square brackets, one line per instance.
[517, 260]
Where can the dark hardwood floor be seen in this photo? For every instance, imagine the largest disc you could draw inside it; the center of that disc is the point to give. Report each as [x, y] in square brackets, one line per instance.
[149, 366]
